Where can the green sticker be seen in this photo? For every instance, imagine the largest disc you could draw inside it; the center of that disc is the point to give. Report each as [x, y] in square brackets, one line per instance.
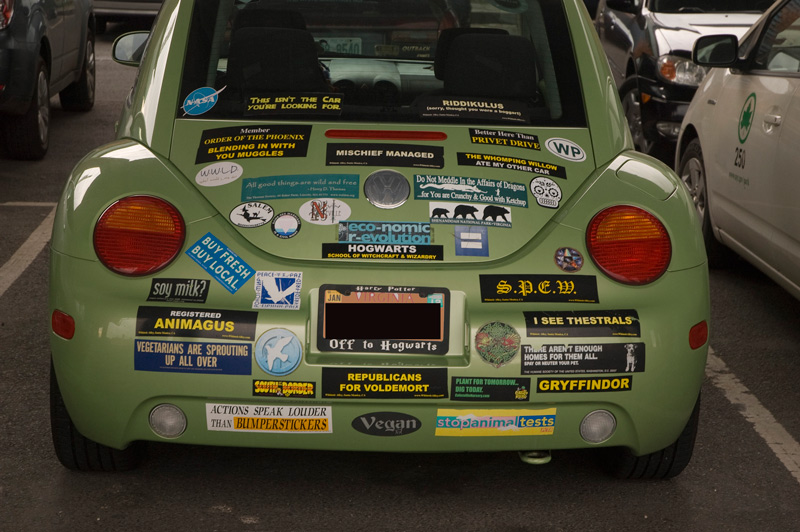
[746, 117]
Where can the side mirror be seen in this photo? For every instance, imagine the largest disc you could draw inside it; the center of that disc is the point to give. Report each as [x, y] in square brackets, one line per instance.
[626, 6]
[715, 50]
[128, 48]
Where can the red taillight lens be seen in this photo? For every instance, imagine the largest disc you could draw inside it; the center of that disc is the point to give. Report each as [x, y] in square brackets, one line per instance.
[138, 235]
[629, 244]
[62, 324]
[698, 335]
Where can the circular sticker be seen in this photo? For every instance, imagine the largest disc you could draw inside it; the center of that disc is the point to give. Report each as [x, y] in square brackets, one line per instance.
[200, 101]
[569, 260]
[386, 189]
[253, 214]
[286, 225]
[746, 117]
[497, 343]
[326, 211]
[278, 352]
[546, 192]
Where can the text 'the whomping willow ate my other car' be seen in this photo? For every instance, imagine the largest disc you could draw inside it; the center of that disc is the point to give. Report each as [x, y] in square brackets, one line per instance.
[407, 226]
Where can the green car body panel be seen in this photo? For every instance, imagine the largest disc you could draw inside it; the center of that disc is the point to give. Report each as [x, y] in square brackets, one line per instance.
[109, 400]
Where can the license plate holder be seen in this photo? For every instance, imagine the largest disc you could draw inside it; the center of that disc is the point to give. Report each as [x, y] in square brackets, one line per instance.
[383, 319]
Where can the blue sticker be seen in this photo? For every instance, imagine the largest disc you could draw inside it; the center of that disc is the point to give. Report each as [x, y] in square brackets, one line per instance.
[220, 262]
[300, 186]
[192, 357]
[569, 259]
[200, 101]
[385, 232]
[472, 241]
[278, 290]
[278, 352]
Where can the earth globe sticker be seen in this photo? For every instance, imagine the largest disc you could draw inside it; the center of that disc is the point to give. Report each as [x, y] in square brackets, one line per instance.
[497, 343]
[278, 352]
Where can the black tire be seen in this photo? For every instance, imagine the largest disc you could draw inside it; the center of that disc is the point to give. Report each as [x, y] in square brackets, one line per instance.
[27, 136]
[632, 107]
[660, 465]
[692, 171]
[79, 95]
[79, 453]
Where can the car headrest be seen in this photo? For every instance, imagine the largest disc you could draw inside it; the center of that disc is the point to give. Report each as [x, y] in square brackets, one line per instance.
[253, 15]
[274, 60]
[497, 66]
[445, 40]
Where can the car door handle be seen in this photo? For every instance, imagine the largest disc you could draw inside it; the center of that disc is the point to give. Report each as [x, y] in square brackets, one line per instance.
[773, 120]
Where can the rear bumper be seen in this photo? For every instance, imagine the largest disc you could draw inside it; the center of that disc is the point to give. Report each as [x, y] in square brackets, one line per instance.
[110, 400]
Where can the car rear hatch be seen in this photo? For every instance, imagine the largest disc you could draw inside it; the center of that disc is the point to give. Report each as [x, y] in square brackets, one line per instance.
[332, 191]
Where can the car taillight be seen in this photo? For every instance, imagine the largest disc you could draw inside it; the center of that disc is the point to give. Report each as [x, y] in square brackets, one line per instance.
[139, 235]
[629, 244]
[6, 11]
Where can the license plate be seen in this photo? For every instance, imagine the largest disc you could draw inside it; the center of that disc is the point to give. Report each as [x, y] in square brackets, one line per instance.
[383, 319]
[340, 45]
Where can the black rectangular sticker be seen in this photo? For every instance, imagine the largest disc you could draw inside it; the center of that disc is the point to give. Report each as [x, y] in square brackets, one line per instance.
[253, 142]
[489, 389]
[584, 384]
[191, 323]
[583, 358]
[179, 290]
[352, 250]
[403, 155]
[538, 289]
[582, 323]
[370, 383]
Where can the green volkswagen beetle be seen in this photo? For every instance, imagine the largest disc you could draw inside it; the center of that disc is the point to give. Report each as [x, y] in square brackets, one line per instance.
[407, 226]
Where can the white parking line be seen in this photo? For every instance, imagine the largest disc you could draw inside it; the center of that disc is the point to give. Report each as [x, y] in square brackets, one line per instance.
[28, 251]
[781, 442]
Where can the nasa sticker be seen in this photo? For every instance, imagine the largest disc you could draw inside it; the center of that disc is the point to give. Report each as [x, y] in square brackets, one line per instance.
[200, 101]
[286, 225]
[253, 214]
[546, 192]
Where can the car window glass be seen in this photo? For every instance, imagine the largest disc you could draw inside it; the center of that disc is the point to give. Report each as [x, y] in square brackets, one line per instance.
[709, 6]
[779, 50]
[486, 61]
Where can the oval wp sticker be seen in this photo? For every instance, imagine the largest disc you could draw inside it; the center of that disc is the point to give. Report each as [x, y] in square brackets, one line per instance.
[566, 149]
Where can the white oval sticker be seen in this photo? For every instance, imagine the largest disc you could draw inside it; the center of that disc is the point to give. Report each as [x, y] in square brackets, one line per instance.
[326, 211]
[218, 174]
[566, 149]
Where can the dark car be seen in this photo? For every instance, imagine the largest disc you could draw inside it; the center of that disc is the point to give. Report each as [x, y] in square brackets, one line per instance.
[46, 47]
[649, 44]
[119, 10]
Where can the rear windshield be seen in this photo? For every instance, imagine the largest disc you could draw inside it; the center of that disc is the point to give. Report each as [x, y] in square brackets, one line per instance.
[709, 6]
[438, 61]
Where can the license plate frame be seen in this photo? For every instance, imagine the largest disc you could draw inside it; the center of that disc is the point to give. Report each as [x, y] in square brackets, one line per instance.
[383, 319]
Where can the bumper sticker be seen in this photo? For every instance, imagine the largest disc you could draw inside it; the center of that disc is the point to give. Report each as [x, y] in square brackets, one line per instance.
[263, 418]
[220, 262]
[192, 357]
[490, 422]
[590, 358]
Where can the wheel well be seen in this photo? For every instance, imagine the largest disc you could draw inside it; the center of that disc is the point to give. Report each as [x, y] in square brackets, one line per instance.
[689, 134]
